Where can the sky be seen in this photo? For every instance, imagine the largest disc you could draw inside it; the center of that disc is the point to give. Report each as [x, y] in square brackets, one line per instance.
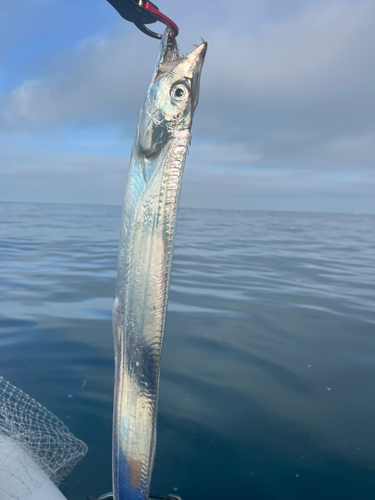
[285, 121]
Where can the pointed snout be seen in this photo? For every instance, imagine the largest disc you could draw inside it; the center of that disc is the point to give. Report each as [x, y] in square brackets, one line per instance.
[199, 52]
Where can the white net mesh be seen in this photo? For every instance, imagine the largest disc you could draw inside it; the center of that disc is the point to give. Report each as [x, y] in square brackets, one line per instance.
[37, 431]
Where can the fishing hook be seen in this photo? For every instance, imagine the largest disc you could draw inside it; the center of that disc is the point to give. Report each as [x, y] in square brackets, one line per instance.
[141, 13]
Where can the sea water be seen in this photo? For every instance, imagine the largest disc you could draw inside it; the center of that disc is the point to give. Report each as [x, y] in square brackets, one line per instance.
[268, 375]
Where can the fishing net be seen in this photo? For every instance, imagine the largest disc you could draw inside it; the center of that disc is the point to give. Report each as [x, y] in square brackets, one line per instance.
[37, 431]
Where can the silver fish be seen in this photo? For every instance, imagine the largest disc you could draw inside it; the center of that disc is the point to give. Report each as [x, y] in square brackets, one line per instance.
[145, 260]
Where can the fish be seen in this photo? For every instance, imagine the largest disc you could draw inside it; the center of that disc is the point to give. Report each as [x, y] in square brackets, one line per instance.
[147, 234]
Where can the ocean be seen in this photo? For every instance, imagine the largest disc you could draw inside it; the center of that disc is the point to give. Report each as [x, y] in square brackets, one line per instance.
[267, 387]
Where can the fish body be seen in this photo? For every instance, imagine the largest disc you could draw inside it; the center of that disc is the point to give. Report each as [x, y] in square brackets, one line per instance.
[145, 259]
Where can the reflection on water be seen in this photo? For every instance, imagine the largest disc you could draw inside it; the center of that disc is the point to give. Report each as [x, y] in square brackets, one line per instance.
[269, 356]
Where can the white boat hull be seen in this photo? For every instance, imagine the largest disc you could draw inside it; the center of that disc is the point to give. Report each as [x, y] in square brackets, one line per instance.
[21, 478]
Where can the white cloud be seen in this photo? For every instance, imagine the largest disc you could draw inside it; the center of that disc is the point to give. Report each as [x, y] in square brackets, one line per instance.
[217, 154]
[279, 189]
[288, 90]
[31, 175]
[99, 82]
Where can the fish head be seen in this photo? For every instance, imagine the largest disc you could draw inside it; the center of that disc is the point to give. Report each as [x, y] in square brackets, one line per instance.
[172, 96]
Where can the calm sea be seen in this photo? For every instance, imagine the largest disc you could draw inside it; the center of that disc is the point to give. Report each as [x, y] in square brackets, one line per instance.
[268, 375]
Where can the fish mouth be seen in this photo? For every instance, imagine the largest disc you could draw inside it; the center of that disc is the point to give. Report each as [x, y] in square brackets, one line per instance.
[170, 48]
[169, 55]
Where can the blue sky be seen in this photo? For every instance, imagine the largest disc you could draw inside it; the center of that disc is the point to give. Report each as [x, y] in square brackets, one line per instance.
[285, 119]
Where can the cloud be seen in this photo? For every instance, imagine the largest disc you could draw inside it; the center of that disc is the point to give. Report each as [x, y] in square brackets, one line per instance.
[294, 89]
[99, 177]
[98, 82]
[59, 177]
[278, 189]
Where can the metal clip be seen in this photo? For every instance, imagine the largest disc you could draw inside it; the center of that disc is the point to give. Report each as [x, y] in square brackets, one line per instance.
[141, 13]
[107, 496]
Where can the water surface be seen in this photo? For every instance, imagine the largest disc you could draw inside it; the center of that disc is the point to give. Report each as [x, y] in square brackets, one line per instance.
[268, 372]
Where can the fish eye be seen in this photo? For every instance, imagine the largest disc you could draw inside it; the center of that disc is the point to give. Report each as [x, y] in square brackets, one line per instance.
[179, 92]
